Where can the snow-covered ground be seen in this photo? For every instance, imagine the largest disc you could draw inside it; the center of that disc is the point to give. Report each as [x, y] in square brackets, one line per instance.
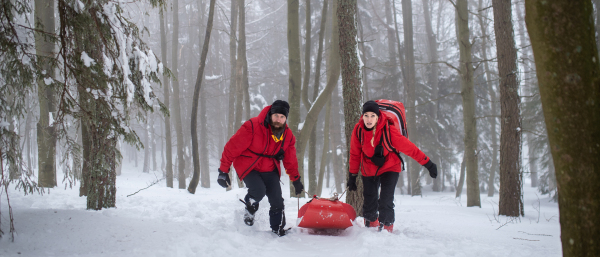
[161, 221]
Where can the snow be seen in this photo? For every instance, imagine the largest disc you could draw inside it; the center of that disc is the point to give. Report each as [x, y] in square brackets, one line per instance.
[161, 221]
[87, 60]
[48, 81]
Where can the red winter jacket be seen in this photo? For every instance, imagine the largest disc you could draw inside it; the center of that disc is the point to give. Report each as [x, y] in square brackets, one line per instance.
[361, 149]
[255, 137]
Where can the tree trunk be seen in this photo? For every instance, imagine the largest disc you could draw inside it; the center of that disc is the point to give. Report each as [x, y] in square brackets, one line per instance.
[167, 128]
[295, 77]
[461, 180]
[153, 141]
[176, 98]
[231, 126]
[490, 87]
[346, 13]
[197, 87]
[411, 114]
[46, 134]
[325, 154]
[242, 55]
[363, 57]
[307, 49]
[146, 167]
[468, 102]
[232, 75]
[314, 185]
[239, 95]
[511, 178]
[391, 79]
[530, 86]
[566, 57]
[433, 82]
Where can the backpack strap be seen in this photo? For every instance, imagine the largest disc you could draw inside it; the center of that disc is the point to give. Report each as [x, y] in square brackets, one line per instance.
[391, 147]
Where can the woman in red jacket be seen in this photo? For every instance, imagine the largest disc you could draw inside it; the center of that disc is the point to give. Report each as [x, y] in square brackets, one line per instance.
[374, 144]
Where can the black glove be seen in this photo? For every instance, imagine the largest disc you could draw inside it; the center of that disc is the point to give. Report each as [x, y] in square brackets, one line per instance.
[298, 186]
[223, 179]
[351, 184]
[432, 168]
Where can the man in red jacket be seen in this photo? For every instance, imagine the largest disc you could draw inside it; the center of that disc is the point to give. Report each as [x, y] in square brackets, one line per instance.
[256, 151]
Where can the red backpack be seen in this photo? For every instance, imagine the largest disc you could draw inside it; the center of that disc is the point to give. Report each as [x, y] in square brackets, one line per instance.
[395, 110]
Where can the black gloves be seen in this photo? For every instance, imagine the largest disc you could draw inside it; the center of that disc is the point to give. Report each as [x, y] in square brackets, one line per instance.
[432, 168]
[351, 184]
[223, 179]
[298, 186]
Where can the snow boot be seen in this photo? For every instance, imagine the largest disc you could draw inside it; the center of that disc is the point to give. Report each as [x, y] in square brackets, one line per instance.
[389, 228]
[251, 208]
[372, 224]
[280, 232]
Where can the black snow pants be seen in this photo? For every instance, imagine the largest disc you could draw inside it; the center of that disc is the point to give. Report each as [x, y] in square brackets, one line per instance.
[382, 202]
[267, 183]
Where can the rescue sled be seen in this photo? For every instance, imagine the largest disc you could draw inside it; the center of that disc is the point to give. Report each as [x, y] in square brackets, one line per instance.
[326, 214]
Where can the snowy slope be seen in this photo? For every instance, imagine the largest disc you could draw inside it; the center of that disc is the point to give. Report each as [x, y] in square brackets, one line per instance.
[161, 221]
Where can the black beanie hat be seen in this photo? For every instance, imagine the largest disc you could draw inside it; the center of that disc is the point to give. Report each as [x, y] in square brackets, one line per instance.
[371, 106]
[281, 107]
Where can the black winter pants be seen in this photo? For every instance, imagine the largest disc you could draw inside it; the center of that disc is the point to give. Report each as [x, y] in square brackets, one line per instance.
[382, 202]
[267, 183]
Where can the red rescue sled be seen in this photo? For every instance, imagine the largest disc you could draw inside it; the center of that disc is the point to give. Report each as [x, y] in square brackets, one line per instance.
[326, 213]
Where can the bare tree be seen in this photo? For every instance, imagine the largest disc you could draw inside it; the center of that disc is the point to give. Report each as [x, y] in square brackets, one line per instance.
[295, 75]
[490, 86]
[466, 71]
[176, 108]
[566, 58]
[46, 134]
[197, 87]
[346, 13]
[166, 90]
[511, 178]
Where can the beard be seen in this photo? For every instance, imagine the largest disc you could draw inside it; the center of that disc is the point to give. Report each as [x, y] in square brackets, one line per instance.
[277, 128]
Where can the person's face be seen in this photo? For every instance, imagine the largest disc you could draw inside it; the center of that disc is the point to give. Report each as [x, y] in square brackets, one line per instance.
[277, 120]
[370, 119]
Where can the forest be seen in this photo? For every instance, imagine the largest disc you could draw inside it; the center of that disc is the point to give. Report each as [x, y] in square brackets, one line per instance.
[501, 94]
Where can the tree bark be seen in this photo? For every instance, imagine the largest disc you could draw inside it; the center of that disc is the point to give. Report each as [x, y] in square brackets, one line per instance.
[242, 55]
[295, 77]
[491, 90]
[461, 180]
[46, 134]
[166, 100]
[346, 13]
[468, 102]
[197, 87]
[433, 82]
[325, 154]
[176, 97]
[530, 86]
[391, 80]
[511, 178]
[411, 114]
[232, 75]
[307, 49]
[146, 167]
[566, 57]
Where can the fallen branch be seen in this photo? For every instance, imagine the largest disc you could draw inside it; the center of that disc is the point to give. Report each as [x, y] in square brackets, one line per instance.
[524, 239]
[153, 183]
[534, 234]
[508, 221]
